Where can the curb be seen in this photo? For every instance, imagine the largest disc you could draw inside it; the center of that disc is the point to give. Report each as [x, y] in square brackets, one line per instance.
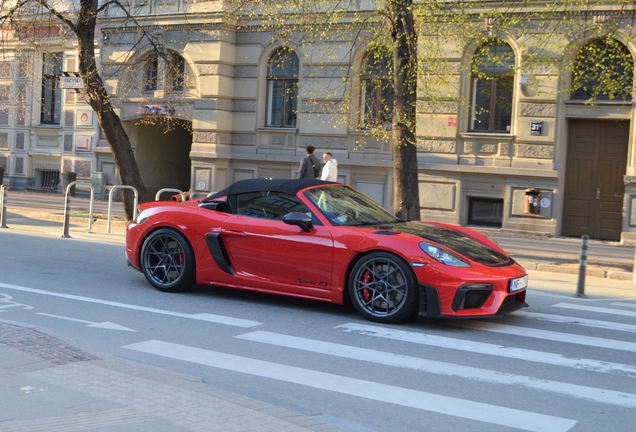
[573, 269]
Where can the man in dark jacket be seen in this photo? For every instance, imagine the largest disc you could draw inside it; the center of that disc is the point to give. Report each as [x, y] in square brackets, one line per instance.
[310, 165]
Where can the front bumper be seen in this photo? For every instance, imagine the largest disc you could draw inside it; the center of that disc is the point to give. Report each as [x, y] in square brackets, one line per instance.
[499, 305]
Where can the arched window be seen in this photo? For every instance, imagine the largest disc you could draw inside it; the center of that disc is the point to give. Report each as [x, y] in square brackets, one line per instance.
[492, 83]
[282, 89]
[177, 72]
[151, 69]
[377, 92]
[603, 70]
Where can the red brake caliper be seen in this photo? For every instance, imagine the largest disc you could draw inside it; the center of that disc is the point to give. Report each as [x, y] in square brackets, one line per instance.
[366, 278]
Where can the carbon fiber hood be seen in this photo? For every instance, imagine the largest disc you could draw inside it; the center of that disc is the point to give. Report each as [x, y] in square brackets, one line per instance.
[450, 239]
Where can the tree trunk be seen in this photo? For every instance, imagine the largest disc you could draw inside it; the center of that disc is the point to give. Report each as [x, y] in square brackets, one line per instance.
[98, 99]
[402, 28]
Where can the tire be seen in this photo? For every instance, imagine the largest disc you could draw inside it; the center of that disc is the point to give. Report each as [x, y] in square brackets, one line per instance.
[167, 261]
[383, 288]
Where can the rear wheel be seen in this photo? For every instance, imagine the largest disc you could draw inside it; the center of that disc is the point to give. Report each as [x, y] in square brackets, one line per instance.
[383, 288]
[167, 261]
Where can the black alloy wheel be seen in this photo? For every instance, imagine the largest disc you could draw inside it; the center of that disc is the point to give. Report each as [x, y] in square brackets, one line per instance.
[167, 261]
[383, 288]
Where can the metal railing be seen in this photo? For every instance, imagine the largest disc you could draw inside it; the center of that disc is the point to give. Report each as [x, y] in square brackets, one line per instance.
[67, 207]
[183, 195]
[110, 203]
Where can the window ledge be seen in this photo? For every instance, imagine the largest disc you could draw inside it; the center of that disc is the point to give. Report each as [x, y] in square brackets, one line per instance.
[499, 135]
[598, 102]
[371, 131]
[292, 129]
[46, 126]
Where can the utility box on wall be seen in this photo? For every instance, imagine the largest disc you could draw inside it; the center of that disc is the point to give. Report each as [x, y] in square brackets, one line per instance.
[524, 207]
[532, 202]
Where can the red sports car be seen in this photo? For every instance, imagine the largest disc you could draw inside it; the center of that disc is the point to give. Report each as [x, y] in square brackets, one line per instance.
[324, 241]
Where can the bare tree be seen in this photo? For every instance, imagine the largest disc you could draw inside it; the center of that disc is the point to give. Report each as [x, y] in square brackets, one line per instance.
[81, 22]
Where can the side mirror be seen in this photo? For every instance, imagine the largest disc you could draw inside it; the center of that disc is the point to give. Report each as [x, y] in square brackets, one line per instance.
[299, 219]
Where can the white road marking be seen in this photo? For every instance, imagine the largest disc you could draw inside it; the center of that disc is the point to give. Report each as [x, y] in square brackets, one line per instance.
[550, 335]
[489, 349]
[105, 325]
[219, 319]
[607, 325]
[595, 309]
[443, 368]
[535, 292]
[365, 389]
[622, 304]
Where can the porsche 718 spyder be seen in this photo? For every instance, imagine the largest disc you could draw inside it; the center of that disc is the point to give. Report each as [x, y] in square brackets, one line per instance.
[324, 241]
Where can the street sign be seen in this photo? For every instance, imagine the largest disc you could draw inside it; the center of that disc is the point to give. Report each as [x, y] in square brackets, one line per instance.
[71, 82]
[536, 128]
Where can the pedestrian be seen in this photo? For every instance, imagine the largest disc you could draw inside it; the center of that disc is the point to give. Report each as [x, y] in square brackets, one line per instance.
[309, 165]
[330, 168]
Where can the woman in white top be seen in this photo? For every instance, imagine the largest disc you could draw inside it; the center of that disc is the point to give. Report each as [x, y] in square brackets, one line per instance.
[330, 168]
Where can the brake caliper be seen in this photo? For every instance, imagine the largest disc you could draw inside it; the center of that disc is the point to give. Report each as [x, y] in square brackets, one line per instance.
[366, 279]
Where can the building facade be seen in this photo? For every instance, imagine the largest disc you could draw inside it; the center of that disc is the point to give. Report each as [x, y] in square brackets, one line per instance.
[507, 147]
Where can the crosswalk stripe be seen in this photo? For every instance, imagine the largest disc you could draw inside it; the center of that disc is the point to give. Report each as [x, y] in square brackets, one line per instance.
[493, 414]
[550, 335]
[595, 309]
[442, 368]
[629, 305]
[489, 349]
[607, 325]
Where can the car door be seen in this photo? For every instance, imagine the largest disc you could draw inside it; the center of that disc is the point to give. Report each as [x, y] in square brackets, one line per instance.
[268, 254]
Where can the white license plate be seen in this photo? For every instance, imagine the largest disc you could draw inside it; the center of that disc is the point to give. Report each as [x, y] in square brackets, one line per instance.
[518, 284]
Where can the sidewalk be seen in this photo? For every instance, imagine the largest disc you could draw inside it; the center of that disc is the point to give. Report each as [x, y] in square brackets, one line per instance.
[48, 385]
[43, 214]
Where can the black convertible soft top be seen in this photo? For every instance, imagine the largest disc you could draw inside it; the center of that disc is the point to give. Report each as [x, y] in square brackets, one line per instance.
[291, 186]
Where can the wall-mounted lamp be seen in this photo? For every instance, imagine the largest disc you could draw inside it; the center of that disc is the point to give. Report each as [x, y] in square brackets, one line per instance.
[528, 84]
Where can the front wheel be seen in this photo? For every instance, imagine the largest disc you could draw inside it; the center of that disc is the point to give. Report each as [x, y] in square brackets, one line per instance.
[383, 288]
[167, 261]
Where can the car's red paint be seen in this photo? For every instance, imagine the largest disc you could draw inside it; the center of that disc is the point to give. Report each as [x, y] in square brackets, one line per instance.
[269, 255]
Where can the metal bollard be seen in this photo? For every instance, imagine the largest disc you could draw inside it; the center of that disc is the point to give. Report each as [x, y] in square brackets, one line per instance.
[3, 207]
[67, 215]
[580, 285]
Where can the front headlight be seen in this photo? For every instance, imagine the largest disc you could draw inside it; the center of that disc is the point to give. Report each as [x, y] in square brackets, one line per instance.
[141, 217]
[442, 255]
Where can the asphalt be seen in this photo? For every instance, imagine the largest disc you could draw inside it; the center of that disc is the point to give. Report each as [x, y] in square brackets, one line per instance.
[49, 383]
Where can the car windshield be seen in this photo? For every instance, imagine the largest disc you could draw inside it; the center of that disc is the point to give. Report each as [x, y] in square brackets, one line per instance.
[342, 205]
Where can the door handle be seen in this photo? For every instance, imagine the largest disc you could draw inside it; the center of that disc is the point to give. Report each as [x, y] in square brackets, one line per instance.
[235, 233]
[598, 193]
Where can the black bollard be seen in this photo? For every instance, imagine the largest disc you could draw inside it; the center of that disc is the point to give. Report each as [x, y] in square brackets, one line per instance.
[580, 285]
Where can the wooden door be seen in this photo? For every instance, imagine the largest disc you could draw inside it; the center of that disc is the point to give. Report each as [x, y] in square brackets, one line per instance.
[596, 163]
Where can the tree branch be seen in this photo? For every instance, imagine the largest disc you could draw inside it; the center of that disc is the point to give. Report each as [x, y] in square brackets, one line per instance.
[13, 10]
[108, 3]
[58, 15]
